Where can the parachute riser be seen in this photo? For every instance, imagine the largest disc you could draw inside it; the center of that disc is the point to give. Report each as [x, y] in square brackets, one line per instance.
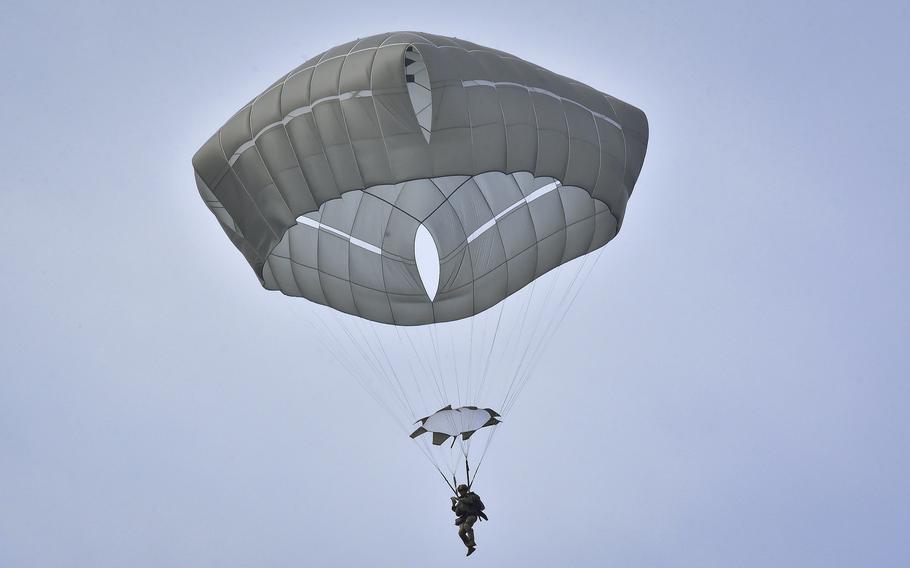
[452, 487]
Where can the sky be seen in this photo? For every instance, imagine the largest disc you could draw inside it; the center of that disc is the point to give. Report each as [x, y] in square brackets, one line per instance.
[729, 389]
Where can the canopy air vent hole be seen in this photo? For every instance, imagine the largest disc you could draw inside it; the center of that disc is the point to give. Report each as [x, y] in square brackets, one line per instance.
[418, 81]
[427, 257]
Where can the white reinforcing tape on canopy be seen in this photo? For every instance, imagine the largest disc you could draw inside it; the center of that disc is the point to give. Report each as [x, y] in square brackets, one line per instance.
[368, 93]
[494, 84]
[304, 220]
[294, 114]
[534, 195]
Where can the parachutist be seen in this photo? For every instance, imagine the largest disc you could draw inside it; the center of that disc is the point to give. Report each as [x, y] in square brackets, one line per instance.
[333, 184]
[468, 507]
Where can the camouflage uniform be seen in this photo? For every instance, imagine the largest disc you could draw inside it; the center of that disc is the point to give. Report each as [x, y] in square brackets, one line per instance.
[468, 507]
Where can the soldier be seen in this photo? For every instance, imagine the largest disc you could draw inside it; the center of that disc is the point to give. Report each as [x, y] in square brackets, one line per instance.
[468, 507]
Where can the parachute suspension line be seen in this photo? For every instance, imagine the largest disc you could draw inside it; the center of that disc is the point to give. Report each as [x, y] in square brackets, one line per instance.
[508, 351]
[557, 324]
[375, 345]
[461, 401]
[431, 331]
[483, 454]
[429, 457]
[414, 375]
[475, 374]
[534, 364]
[466, 452]
[344, 365]
[537, 340]
[524, 317]
[348, 363]
[438, 462]
[533, 329]
[470, 399]
[506, 358]
[357, 345]
[357, 376]
[538, 330]
[447, 481]
[428, 369]
[377, 370]
[400, 392]
[402, 337]
[391, 368]
[369, 358]
[457, 457]
[385, 354]
[486, 365]
[437, 342]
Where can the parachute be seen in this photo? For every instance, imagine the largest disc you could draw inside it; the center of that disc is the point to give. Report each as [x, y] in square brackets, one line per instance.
[451, 422]
[423, 189]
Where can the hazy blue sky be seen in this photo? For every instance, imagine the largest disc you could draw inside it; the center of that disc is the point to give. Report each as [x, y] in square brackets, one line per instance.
[158, 408]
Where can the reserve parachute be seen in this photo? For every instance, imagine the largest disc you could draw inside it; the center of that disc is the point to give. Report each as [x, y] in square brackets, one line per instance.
[441, 200]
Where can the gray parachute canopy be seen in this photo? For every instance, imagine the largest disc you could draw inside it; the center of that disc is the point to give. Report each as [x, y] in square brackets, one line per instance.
[324, 180]
[451, 422]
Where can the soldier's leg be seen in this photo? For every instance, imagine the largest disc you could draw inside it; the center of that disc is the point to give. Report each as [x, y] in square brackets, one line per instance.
[469, 529]
[463, 533]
